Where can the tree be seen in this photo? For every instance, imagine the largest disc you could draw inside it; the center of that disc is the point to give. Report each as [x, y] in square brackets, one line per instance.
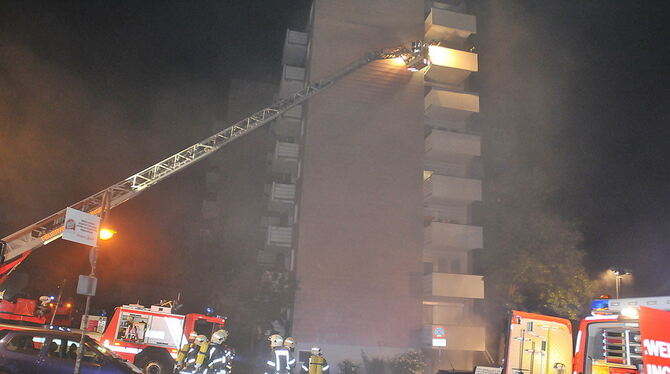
[533, 260]
[374, 365]
[411, 362]
[348, 367]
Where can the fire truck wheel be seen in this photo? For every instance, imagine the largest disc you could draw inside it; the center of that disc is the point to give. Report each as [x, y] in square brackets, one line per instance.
[155, 365]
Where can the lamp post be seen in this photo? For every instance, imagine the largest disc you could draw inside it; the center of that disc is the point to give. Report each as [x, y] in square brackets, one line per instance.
[103, 234]
[619, 273]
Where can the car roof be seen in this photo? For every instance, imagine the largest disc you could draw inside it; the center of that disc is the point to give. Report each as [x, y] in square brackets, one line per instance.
[41, 330]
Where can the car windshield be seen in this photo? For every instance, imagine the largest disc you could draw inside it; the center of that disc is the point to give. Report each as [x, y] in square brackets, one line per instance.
[102, 349]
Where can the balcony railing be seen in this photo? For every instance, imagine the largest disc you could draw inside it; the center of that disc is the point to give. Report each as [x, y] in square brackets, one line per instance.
[442, 189]
[295, 48]
[282, 197]
[440, 236]
[279, 236]
[442, 24]
[285, 157]
[293, 80]
[453, 285]
[452, 146]
[451, 66]
[448, 105]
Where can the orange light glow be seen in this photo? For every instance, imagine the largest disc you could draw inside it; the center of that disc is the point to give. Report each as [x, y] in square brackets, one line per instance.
[398, 61]
[106, 234]
[68, 305]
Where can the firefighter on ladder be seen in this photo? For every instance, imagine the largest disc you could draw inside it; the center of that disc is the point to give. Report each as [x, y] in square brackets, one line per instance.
[196, 355]
[218, 355]
[280, 360]
[183, 351]
[317, 363]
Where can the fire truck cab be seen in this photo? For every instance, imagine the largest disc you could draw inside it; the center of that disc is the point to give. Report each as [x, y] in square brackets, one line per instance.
[608, 341]
[151, 337]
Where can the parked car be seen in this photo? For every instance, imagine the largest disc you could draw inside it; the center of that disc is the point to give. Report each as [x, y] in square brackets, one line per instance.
[28, 350]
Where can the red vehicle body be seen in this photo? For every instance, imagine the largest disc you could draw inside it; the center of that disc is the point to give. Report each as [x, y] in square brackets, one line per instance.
[26, 311]
[151, 337]
[607, 342]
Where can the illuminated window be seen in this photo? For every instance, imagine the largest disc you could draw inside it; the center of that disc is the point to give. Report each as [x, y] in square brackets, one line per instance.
[427, 174]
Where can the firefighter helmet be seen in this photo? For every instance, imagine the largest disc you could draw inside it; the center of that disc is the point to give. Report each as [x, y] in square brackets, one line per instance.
[200, 339]
[276, 340]
[289, 343]
[316, 351]
[219, 336]
[192, 336]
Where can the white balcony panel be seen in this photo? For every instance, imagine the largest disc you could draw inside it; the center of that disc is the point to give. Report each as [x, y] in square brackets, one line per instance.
[285, 157]
[282, 197]
[267, 258]
[442, 189]
[279, 236]
[447, 105]
[450, 66]
[451, 146]
[295, 48]
[293, 80]
[442, 24]
[454, 285]
[442, 236]
[459, 338]
[294, 113]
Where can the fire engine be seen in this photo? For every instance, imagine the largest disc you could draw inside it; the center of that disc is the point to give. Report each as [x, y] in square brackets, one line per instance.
[607, 342]
[151, 337]
[34, 312]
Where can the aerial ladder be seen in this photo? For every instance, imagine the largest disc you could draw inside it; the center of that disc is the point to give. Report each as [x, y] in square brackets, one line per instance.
[15, 247]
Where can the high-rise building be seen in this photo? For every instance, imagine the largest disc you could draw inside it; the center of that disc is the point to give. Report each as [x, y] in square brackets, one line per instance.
[374, 186]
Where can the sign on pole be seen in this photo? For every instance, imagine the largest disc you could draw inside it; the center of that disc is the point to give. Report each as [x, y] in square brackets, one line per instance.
[655, 335]
[439, 336]
[81, 227]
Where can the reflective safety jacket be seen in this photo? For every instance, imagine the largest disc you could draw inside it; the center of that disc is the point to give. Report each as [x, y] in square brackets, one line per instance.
[281, 361]
[317, 365]
[218, 360]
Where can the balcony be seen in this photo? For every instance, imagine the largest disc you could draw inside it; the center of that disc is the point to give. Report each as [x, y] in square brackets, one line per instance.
[295, 48]
[447, 105]
[279, 237]
[284, 159]
[442, 24]
[442, 189]
[289, 123]
[282, 197]
[459, 338]
[292, 80]
[454, 285]
[441, 236]
[450, 66]
[452, 146]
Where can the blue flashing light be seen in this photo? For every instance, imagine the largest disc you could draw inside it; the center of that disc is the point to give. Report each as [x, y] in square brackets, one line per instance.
[600, 305]
[209, 310]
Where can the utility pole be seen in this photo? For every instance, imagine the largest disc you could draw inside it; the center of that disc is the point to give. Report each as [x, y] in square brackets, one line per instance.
[93, 259]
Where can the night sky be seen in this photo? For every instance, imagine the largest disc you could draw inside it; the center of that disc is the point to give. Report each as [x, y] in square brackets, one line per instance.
[91, 92]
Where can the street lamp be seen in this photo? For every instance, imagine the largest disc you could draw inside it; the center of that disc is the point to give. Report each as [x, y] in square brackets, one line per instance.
[106, 234]
[619, 273]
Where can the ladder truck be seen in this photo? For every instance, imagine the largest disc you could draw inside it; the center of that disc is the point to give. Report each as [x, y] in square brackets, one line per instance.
[14, 248]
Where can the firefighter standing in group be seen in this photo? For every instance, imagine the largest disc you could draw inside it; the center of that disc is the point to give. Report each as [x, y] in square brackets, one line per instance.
[279, 361]
[317, 363]
[289, 343]
[183, 351]
[217, 354]
[196, 355]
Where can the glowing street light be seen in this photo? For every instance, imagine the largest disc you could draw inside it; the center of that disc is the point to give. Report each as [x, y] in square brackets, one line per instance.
[106, 234]
[619, 273]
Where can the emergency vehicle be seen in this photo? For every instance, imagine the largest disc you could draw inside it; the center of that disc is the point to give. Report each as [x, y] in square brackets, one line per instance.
[151, 337]
[32, 312]
[607, 342]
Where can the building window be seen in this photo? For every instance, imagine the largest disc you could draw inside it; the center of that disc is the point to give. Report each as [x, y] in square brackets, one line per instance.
[303, 356]
[456, 266]
[443, 265]
[427, 268]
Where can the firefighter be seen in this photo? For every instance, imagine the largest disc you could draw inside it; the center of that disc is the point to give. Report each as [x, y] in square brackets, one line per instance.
[196, 355]
[289, 343]
[317, 363]
[181, 357]
[279, 362]
[218, 354]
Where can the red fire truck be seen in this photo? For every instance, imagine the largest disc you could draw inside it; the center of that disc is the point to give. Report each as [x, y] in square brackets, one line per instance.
[151, 337]
[33, 312]
[607, 342]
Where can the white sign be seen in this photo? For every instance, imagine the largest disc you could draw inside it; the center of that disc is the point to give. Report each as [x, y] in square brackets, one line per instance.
[439, 342]
[487, 370]
[81, 227]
